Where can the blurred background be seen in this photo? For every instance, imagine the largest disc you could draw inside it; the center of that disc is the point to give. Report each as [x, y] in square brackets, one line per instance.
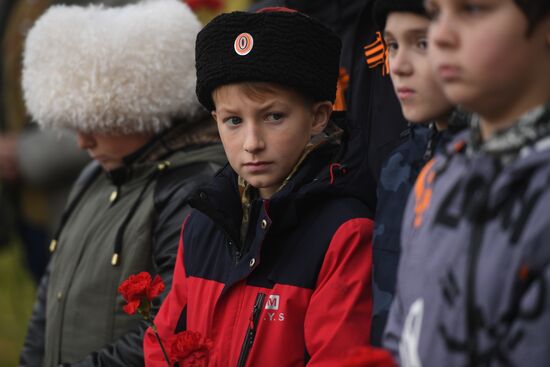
[37, 169]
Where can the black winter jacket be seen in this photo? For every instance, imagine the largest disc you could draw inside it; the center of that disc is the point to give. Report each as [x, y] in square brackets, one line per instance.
[134, 212]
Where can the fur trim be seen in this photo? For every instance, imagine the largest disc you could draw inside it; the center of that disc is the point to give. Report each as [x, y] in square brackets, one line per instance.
[112, 70]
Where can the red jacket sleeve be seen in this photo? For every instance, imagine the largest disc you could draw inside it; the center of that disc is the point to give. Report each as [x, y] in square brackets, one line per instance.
[167, 318]
[340, 310]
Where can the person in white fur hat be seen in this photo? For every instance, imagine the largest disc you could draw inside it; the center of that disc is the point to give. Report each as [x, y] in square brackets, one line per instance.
[124, 79]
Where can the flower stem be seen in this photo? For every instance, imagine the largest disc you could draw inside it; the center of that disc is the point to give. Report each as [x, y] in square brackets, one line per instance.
[154, 328]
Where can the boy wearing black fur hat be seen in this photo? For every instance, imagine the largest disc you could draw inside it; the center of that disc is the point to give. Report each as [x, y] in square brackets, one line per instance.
[274, 262]
[474, 277]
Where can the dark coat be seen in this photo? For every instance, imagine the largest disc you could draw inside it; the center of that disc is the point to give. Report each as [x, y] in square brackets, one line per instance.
[397, 179]
[136, 212]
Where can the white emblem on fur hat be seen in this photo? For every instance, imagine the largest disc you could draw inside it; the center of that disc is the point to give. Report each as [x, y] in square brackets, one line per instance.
[112, 70]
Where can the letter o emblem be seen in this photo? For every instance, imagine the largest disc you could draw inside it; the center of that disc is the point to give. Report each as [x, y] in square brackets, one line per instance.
[243, 44]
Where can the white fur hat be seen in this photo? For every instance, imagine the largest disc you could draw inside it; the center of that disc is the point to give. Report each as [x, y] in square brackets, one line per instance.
[124, 70]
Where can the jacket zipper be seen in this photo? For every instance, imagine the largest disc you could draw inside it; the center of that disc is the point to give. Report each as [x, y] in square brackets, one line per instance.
[251, 331]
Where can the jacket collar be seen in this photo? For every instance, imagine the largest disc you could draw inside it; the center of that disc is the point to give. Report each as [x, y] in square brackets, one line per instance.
[221, 201]
[520, 139]
[183, 135]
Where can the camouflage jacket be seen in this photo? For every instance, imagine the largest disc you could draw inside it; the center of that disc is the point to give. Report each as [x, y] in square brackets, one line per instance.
[397, 178]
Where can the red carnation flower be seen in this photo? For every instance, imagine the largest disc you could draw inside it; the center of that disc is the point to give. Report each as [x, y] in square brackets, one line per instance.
[204, 4]
[191, 349]
[139, 288]
[369, 357]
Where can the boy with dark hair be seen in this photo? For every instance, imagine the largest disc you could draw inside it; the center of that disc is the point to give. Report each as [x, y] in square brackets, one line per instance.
[405, 28]
[474, 275]
[274, 262]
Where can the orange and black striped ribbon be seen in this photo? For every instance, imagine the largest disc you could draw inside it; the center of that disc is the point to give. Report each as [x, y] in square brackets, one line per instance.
[377, 54]
[341, 87]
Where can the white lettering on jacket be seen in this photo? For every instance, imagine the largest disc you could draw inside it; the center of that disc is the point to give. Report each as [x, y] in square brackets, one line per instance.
[408, 347]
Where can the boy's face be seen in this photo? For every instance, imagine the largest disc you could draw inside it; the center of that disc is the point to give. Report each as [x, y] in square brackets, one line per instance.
[415, 84]
[109, 149]
[265, 134]
[485, 60]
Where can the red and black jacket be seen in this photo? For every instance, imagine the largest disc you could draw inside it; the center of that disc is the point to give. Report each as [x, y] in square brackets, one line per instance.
[295, 291]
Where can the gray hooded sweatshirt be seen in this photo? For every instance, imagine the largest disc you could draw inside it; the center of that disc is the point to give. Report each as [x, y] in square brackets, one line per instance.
[473, 283]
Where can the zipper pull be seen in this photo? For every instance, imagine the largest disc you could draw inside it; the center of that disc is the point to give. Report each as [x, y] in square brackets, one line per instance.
[251, 331]
[258, 305]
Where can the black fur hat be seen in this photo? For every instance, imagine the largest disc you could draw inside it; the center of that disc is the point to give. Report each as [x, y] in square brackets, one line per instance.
[275, 45]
